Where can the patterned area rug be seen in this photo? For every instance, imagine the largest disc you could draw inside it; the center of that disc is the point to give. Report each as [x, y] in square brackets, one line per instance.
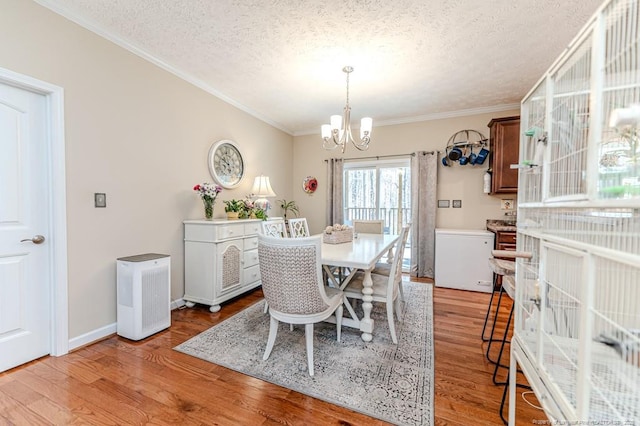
[390, 382]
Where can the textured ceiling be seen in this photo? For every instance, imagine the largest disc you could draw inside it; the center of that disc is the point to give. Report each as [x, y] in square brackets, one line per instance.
[281, 60]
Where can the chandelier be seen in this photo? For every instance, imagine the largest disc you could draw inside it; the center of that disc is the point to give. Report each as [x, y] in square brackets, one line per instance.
[338, 133]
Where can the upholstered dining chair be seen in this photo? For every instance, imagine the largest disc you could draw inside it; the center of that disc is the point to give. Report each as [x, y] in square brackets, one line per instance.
[368, 226]
[298, 227]
[386, 289]
[274, 228]
[293, 287]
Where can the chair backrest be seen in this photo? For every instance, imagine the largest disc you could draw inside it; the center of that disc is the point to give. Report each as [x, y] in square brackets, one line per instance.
[395, 274]
[368, 226]
[292, 274]
[274, 228]
[298, 227]
[406, 235]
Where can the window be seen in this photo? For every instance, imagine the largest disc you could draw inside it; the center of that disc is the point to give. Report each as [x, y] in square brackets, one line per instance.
[380, 189]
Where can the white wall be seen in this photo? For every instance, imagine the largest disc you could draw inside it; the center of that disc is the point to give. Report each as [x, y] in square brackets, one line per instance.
[456, 182]
[139, 134]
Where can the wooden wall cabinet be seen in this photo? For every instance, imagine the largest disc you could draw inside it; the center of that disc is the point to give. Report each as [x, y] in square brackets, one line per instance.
[504, 144]
[220, 260]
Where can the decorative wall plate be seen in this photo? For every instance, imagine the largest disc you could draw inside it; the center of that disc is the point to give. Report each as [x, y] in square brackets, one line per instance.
[310, 184]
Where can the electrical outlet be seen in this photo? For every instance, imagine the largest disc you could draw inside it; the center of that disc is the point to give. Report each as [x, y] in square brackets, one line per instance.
[506, 204]
[457, 204]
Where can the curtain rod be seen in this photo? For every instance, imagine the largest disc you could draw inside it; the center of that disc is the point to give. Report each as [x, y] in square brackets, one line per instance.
[377, 157]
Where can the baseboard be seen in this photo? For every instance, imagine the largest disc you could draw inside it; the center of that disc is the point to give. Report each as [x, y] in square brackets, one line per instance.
[177, 304]
[108, 330]
[92, 336]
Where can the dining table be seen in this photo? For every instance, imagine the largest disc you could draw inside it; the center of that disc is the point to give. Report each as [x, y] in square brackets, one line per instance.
[361, 254]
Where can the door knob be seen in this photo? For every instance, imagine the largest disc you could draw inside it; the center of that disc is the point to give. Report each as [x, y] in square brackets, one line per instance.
[38, 239]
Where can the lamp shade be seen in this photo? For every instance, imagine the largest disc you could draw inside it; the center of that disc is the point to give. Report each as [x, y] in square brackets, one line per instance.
[262, 187]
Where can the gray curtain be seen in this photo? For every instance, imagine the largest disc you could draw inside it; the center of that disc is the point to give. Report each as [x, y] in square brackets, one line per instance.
[335, 198]
[424, 176]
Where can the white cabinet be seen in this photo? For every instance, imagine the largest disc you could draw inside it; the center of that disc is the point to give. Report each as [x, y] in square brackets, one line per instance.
[577, 317]
[220, 260]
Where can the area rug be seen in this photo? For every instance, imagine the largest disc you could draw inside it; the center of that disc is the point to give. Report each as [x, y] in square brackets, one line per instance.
[390, 382]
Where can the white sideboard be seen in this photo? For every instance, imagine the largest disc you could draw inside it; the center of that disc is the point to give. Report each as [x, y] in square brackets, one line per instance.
[220, 260]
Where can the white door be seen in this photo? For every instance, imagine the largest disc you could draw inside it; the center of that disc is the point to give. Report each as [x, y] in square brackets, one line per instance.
[25, 254]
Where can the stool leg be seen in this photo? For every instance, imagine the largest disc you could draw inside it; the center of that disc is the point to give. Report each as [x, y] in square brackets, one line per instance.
[493, 328]
[504, 339]
[486, 317]
[504, 398]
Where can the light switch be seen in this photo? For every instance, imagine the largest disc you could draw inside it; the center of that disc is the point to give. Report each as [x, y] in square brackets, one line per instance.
[100, 199]
[443, 204]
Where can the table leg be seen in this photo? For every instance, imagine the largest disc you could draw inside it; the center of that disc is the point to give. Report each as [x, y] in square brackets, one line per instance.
[366, 324]
[390, 255]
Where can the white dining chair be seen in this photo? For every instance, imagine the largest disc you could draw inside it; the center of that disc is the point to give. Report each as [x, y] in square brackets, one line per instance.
[292, 284]
[298, 227]
[385, 288]
[274, 228]
[368, 226]
[384, 268]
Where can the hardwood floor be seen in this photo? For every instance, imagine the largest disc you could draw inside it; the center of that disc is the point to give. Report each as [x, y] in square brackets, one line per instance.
[117, 381]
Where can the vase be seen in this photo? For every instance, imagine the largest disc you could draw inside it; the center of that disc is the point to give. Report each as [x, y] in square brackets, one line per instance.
[232, 215]
[208, 209]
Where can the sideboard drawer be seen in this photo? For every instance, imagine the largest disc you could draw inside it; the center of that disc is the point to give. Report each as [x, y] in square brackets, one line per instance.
[251, 243]
[250, 258]
[252, 274]
[252, 228]
[230, 231]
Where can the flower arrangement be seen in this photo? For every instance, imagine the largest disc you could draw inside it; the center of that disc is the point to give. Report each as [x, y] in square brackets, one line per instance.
[208, 192]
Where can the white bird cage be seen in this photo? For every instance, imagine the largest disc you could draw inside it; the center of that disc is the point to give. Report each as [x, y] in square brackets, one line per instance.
[577, 326]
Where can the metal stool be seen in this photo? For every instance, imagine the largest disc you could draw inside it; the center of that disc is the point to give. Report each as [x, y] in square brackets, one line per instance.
[500, 267]
[504, 268]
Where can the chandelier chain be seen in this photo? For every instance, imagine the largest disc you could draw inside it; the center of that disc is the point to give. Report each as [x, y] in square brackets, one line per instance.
[348, 88]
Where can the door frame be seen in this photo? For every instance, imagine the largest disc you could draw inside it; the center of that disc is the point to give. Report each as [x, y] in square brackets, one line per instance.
[57, 208]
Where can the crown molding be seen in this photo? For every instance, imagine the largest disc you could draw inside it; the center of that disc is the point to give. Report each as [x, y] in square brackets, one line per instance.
[133, 48]
[430, 117]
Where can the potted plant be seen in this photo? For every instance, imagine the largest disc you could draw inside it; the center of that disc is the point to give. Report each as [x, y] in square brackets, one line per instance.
[260, 214]
[233, 208]
[288, 206]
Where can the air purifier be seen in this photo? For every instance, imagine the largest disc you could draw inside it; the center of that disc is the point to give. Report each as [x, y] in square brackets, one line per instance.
[143, 295]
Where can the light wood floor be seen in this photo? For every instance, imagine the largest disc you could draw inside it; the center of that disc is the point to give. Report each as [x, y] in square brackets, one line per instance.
[117, 381]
